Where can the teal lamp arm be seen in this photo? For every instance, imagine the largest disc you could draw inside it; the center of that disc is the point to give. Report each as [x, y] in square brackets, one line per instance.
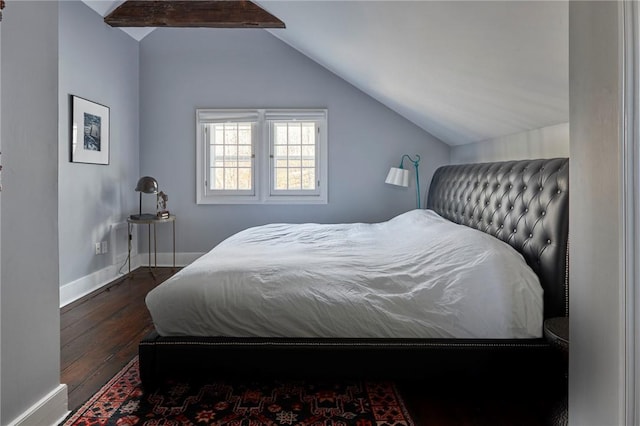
[415, 164]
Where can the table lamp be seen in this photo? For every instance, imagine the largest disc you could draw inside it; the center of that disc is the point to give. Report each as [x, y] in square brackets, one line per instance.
[147, 185]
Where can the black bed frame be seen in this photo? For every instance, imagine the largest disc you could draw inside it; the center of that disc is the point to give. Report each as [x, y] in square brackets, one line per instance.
[524, 203]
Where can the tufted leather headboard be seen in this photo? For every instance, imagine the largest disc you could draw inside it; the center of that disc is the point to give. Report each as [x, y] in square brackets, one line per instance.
[524, 203]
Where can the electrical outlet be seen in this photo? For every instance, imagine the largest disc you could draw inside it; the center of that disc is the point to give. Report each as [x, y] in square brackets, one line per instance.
[98, 248]
[105, 247]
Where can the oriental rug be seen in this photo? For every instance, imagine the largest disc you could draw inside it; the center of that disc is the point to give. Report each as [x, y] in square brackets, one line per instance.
[122, 402]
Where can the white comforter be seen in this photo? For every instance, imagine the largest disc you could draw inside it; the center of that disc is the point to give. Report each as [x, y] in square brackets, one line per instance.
[416, 275]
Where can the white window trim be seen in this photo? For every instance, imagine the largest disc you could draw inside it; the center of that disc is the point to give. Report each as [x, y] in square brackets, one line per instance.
[262, 162]
[203, 195]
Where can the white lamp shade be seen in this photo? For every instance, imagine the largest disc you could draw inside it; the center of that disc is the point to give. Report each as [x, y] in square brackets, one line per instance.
[399, 177]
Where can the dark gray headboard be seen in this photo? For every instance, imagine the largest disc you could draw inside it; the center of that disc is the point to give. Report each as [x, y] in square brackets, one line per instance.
[524, 203]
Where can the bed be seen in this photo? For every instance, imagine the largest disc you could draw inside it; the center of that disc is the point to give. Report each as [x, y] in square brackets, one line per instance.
[394, 303]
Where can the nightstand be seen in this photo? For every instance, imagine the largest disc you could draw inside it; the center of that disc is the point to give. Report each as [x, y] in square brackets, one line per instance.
[152, 220]
[556, 331]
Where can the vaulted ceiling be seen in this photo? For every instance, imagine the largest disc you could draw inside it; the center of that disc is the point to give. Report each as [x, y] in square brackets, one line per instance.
[463, 71]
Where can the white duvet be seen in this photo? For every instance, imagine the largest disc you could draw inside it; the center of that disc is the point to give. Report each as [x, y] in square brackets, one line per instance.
[415, 276]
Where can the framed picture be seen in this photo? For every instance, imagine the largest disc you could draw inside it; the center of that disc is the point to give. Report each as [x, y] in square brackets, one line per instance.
[89, 132]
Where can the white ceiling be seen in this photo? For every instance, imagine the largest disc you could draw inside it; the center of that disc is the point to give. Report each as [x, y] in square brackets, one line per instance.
[463, 71]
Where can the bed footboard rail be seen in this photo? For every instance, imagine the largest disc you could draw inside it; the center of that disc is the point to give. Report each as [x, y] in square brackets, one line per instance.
[217, 357]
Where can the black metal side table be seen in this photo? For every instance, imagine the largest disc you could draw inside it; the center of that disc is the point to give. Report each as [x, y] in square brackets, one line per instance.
[152, 220]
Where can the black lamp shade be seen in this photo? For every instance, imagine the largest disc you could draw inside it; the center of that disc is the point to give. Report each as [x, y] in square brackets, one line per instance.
[148, 185]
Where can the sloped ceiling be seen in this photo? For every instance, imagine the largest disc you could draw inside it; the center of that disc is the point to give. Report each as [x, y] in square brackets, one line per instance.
[104, 7]
[463, 71]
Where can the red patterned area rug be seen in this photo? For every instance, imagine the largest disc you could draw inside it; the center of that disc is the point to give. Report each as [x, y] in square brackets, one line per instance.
[122, 402]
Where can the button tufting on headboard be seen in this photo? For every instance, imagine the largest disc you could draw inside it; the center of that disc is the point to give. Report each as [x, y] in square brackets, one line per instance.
[524, 203]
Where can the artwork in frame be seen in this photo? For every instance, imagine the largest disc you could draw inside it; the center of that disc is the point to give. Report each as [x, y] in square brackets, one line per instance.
[89, 132]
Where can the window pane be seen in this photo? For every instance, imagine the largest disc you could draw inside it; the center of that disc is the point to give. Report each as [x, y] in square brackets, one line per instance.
[231, 179]
[244, 134]
[281, 163]
[295, 163]
[217, 181]
[244, 164]
[294, 134]
[308, 163]
[244, 151]
[281, 151]
[295, 179]
[280, 130]
[244, 178]
[230, 152]
[294, 151]
[308, 151]
[281, 178]
[309, 178]
[308, 133]
[218, 133]
[231, 134]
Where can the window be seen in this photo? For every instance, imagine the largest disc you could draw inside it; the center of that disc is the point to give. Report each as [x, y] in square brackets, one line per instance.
[261, 156]
[231, 156]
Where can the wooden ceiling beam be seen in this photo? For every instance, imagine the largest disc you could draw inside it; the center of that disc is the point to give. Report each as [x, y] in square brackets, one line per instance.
[192, 14]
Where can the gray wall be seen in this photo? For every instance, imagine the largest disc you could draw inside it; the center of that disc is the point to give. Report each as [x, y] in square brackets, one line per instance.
[0, 231]
[547, 142]
[98, 63]
[185, 69]
[30, 354]
[595, 380]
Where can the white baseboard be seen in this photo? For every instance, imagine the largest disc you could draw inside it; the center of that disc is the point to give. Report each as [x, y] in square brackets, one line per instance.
[74, 290]
[50, 410]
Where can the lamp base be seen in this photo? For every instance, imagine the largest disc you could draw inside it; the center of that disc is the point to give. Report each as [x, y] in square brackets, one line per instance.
[143, 216]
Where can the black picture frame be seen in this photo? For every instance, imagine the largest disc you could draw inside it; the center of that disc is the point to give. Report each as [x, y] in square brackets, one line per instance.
[90, 131]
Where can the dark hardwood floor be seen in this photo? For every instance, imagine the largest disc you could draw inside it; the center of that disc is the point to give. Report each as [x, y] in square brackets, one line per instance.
[100, 334]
